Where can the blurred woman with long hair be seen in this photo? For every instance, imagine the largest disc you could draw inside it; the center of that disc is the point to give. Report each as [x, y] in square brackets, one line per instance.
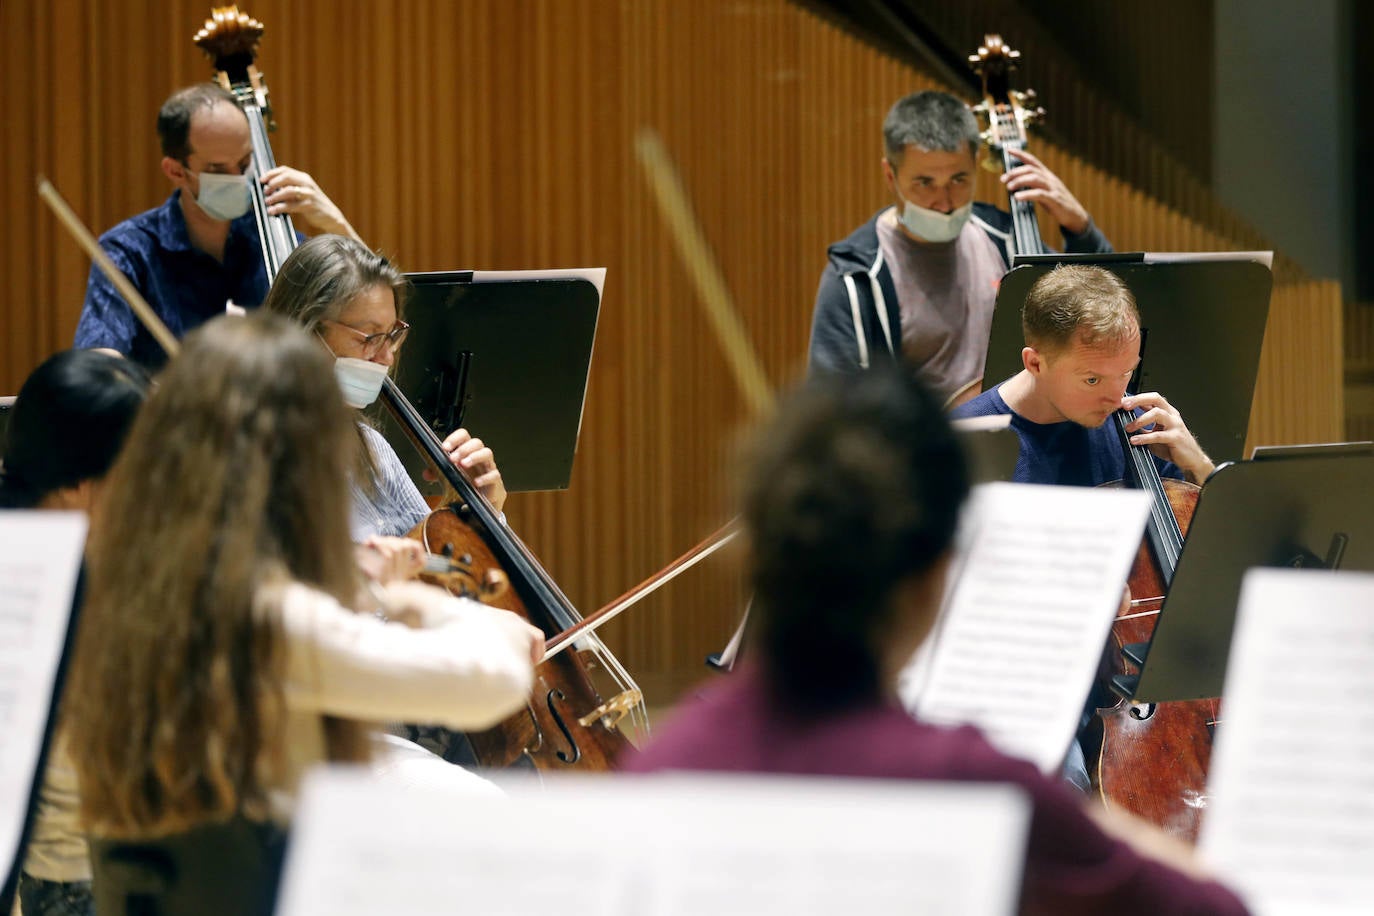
[222, 651]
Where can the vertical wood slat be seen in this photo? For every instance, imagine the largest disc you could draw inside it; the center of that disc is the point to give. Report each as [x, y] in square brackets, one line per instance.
[492, 133]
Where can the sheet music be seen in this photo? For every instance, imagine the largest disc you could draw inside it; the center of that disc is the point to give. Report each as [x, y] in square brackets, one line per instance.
[664, 846]
[40, 554]
[596, 276]
[1291, 817]
[1033, 596]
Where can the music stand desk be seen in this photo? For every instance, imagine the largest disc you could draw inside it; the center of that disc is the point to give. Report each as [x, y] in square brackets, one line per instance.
[1313, 508]
[527, 338]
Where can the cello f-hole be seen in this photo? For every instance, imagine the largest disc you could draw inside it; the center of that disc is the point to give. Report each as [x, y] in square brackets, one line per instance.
[556, 695]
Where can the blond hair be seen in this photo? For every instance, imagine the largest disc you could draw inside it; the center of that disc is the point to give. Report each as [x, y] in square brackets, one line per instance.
[1078, 303]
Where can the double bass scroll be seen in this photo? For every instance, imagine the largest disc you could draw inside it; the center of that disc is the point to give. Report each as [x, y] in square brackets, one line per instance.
[1007, 115]
[230, 39]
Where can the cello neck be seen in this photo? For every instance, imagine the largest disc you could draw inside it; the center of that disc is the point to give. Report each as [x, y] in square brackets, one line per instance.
[528, 577]
[1162, 530]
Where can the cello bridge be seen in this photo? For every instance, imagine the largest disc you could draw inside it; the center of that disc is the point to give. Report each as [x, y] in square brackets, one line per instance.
[613, 710]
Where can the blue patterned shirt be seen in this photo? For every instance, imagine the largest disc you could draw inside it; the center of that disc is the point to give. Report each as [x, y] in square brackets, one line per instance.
[396, 506]
[185, 286]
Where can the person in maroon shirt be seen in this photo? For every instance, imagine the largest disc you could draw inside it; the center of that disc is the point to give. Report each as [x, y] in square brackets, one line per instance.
[851, 497]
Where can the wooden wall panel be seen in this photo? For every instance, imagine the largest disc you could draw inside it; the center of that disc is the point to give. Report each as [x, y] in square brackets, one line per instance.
[1299, 395]
[1359, 371]
[500, 133]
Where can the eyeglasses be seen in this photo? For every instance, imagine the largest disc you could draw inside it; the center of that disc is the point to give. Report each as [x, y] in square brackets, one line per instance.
[372, 343]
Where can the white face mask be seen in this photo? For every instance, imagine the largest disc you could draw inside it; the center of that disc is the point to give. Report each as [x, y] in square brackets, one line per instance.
[224, 197]
[932, 225]
[360, 380]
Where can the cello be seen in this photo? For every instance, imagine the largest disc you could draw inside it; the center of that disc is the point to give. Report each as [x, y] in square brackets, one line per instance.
[567, 724]
[1154, 756]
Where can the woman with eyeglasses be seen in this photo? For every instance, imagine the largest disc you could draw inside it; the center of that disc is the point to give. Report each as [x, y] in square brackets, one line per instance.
[352, 298]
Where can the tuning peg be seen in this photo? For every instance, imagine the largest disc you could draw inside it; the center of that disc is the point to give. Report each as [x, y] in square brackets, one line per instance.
[1030, 97]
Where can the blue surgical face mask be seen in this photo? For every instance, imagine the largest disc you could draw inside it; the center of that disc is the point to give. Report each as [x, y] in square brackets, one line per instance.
[360, 380]
[224, 197]
[932, 225]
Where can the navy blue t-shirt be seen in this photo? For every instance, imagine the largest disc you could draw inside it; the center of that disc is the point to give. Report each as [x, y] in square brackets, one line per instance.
[186, 287]
[1061, 453]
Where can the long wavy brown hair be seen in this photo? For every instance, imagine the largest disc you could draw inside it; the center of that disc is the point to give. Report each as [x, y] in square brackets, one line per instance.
[232, 484]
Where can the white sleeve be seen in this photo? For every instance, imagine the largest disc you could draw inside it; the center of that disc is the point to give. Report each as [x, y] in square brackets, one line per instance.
[466, 667]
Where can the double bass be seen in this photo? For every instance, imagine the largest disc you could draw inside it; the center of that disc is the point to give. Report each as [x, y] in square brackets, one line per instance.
[567, 724]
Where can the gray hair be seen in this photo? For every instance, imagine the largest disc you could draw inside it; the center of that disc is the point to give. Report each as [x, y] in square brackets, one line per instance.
[321, 277]
[933, 121]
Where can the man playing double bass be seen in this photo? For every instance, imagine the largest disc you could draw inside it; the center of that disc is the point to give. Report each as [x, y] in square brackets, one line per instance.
[200, 249]
[920, 278]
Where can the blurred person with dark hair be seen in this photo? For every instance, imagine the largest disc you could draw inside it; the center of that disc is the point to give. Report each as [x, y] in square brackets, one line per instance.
[851, 498]
[67, 427]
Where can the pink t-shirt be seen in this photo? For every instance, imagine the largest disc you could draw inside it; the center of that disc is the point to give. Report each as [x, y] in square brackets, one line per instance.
[946, 293]
[1071, 865]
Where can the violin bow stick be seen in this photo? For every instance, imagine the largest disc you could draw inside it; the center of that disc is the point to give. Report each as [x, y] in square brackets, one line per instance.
[591, 622]
[705, 273]
[77, 229]
[743, 361]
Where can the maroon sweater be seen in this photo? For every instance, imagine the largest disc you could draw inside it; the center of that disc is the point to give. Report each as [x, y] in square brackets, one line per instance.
[1071, 865]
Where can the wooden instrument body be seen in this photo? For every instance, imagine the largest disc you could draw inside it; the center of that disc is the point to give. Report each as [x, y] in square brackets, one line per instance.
[1154, 756]
[565, 724]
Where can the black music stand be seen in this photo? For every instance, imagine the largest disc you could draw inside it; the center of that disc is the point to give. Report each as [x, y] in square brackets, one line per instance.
[506, 355]
[6, 405]
[1203, 316]
[1311, 506]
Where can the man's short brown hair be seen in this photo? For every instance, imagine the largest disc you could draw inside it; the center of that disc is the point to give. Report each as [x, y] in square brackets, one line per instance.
[174, 118]
[1078, 303]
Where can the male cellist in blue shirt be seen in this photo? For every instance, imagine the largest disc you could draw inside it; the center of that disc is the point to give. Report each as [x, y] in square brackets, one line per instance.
[200, 249]
[1082, 345]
